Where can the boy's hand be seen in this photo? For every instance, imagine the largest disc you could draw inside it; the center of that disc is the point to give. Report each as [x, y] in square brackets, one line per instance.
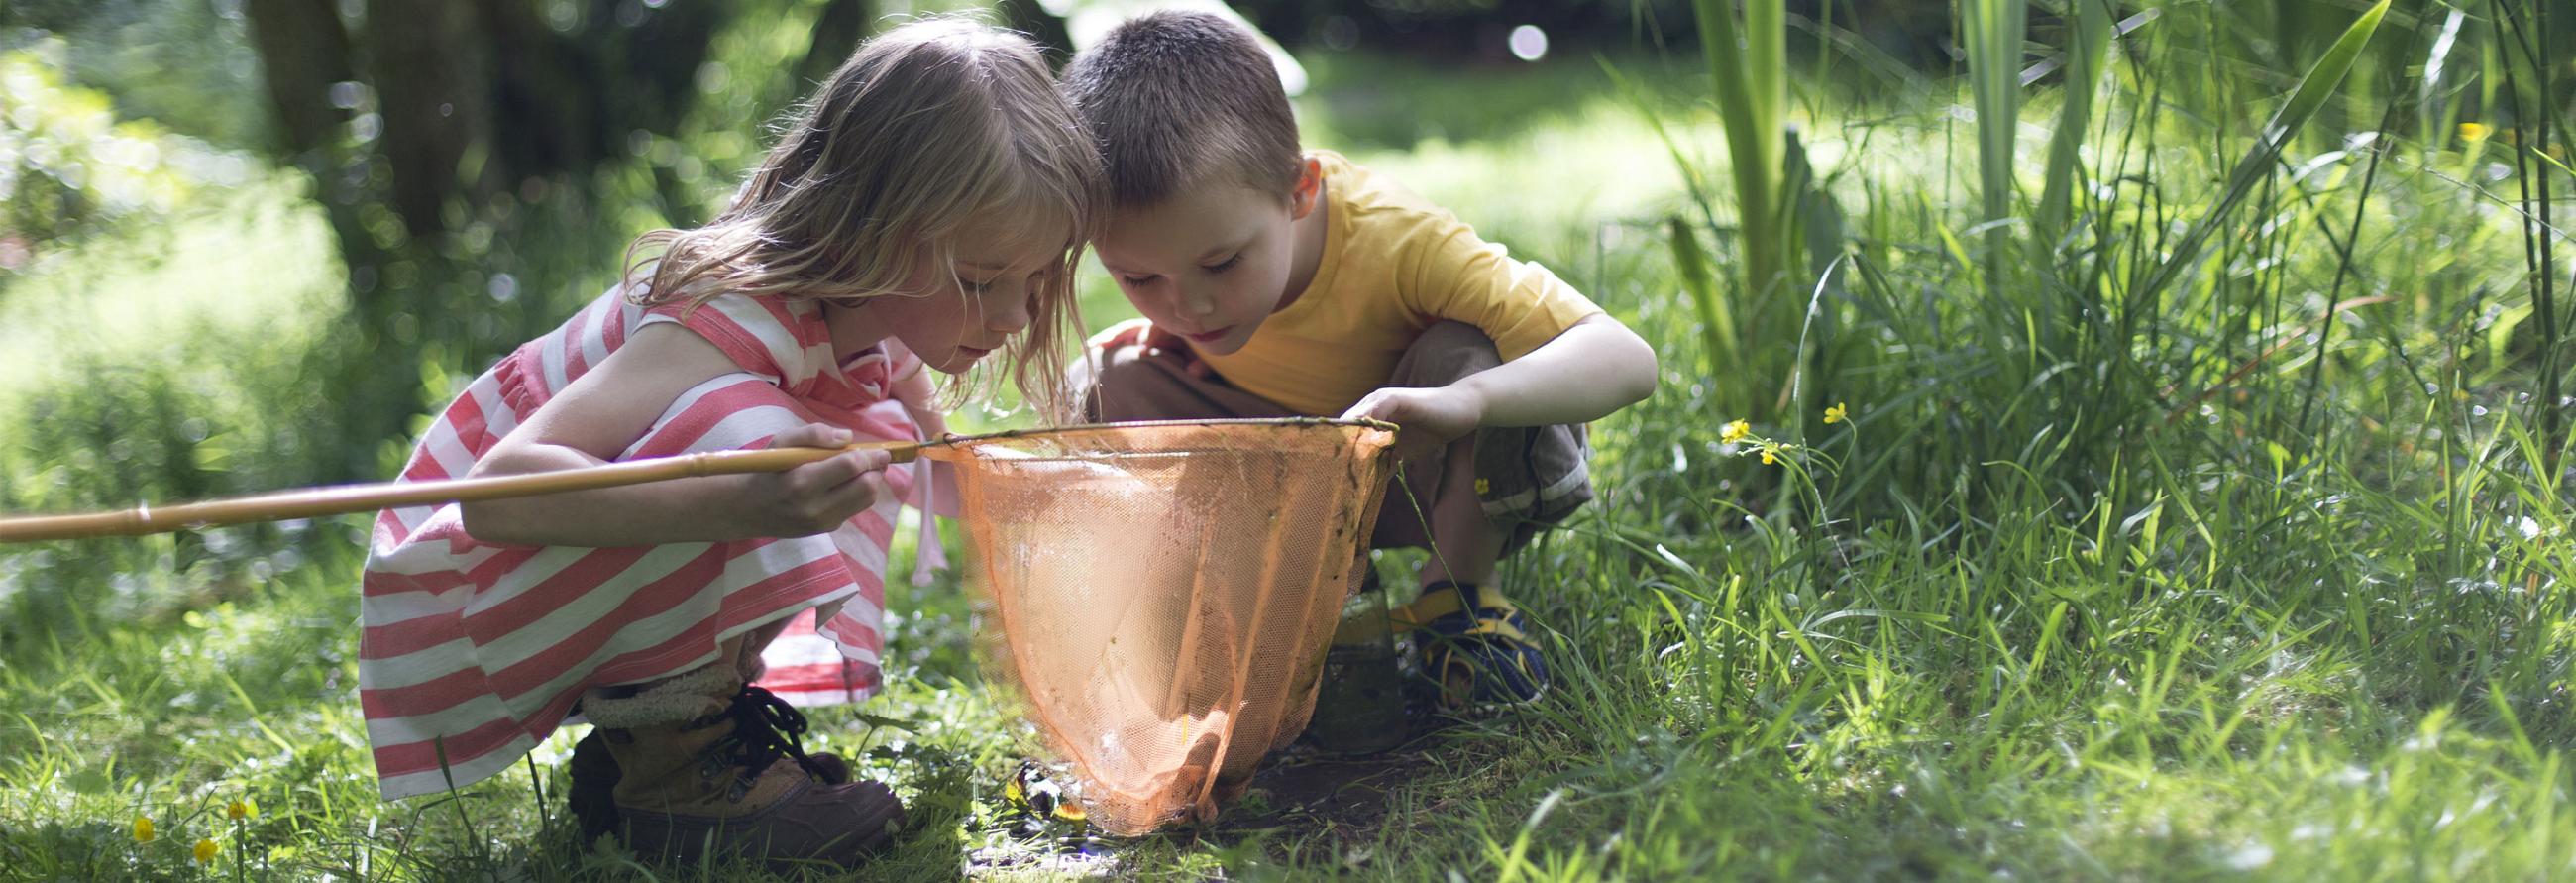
[1430, 418]
[817, 497]
[1155, 340]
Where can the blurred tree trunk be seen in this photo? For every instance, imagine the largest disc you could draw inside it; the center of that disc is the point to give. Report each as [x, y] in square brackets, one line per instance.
[1027, 17]
[476, 96]
[305, 50]
[836, 35]
[644, 65]
[432, 73]
[542, 90]
[472, 98]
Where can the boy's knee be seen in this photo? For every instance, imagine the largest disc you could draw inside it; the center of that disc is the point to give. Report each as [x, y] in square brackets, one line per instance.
[1446, 351]
[1127, 383]
[1082, 383]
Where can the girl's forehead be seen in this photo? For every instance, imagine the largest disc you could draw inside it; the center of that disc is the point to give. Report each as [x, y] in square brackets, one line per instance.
[1016, 237]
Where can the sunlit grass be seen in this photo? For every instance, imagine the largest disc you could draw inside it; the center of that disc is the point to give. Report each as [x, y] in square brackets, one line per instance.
[254, 263]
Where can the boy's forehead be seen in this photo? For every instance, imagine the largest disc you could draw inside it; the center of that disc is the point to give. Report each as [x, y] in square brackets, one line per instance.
[1180, 227]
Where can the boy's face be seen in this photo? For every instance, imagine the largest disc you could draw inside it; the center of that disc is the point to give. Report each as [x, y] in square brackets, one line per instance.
[1210, 263]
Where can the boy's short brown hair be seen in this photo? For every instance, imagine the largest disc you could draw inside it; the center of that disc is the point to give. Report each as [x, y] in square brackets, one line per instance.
[1181, 98]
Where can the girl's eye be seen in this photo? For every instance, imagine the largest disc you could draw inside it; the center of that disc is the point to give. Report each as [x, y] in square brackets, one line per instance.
[1135, 280]
[1226, 264]
[973, 287]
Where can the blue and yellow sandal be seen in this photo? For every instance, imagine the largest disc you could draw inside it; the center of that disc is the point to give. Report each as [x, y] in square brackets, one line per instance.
[1473, 646]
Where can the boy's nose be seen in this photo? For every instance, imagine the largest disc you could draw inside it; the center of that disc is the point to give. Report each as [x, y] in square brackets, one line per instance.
[1197, 303]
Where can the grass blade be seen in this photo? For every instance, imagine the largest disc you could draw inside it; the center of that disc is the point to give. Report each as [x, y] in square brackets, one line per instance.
[2314, 88]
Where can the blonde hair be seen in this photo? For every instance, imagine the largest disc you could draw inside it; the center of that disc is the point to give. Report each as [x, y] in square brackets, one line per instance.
[927, 127]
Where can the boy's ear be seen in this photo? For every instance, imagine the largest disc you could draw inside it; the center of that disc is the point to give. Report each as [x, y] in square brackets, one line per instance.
[1310, 189]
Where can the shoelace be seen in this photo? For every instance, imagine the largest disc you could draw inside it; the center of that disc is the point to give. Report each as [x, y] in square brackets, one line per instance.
[766, 728]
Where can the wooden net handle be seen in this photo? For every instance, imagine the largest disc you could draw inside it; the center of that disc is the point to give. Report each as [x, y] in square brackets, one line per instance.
[345, 499]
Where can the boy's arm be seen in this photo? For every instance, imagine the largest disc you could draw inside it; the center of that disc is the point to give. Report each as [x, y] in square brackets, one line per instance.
[1591, 370]
[599, 415]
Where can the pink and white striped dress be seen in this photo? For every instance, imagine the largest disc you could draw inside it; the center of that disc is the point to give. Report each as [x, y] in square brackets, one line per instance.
[473, 652]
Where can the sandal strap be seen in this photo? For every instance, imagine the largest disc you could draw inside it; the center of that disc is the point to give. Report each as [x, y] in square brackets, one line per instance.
[1492, 612]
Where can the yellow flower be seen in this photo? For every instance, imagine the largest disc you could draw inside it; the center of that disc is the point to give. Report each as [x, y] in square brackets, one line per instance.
[142, 829]
[241, 809]
[1734, 432]
[1767, 458]
[1836, 414]
[2475, 131]
[205, 851]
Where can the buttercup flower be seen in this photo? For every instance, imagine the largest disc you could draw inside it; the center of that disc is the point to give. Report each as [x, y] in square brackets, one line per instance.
[143, 829]
[1734, 432]
[205, 851]
[241, 809]
[1836, 414]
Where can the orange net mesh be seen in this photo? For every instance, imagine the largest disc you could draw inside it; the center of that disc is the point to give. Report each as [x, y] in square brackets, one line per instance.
[1164, 592]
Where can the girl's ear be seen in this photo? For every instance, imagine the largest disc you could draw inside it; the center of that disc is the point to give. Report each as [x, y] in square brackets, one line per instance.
[1310, 189]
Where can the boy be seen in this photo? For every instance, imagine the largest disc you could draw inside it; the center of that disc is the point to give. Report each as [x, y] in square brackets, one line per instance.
[1277, 283]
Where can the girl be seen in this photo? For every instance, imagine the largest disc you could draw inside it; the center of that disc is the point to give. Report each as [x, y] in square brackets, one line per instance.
[925, 208]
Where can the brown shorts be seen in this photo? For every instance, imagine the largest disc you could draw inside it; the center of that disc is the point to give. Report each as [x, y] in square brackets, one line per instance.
[1528, 478]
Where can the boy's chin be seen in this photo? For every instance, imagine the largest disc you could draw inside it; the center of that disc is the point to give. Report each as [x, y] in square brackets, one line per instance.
[1233, 341]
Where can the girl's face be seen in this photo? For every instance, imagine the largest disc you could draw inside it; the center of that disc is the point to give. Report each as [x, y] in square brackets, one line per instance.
[954, 315]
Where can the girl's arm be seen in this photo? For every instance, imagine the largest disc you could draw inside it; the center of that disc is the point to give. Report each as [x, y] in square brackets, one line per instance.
[1590, 371]
[606, 410]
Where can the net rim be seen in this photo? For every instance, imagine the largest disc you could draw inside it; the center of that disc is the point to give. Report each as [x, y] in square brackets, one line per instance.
[1353, 422]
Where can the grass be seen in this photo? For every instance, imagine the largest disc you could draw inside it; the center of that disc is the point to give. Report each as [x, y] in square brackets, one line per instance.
[2222, 577]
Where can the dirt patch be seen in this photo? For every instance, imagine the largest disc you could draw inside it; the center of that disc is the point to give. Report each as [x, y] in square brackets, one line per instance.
[1305, 788]
[1299, 790]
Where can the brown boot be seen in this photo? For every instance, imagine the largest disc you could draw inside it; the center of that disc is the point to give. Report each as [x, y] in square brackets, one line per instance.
[707, 765]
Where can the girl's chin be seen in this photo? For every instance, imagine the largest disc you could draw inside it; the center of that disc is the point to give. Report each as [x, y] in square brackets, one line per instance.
[954, 365]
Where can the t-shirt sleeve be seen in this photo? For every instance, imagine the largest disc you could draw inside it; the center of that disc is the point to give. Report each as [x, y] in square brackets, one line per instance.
[1520, 304]
[758, 334]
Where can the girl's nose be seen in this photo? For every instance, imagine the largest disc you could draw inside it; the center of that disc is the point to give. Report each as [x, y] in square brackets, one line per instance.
[1012, 316]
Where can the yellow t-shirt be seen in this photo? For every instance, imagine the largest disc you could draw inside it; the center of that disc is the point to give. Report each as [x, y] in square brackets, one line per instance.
[1393, 264]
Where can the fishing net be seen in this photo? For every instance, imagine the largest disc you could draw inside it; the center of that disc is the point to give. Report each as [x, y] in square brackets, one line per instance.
[1164, 592]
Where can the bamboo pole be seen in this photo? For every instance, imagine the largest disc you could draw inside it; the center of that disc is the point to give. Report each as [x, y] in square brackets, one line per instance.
[346, 499]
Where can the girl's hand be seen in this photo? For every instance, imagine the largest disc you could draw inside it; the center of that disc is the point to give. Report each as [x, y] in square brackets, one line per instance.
[817, 497]
[1429, 418]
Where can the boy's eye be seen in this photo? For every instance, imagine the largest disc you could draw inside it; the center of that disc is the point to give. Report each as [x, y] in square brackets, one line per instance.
[1227, 264]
